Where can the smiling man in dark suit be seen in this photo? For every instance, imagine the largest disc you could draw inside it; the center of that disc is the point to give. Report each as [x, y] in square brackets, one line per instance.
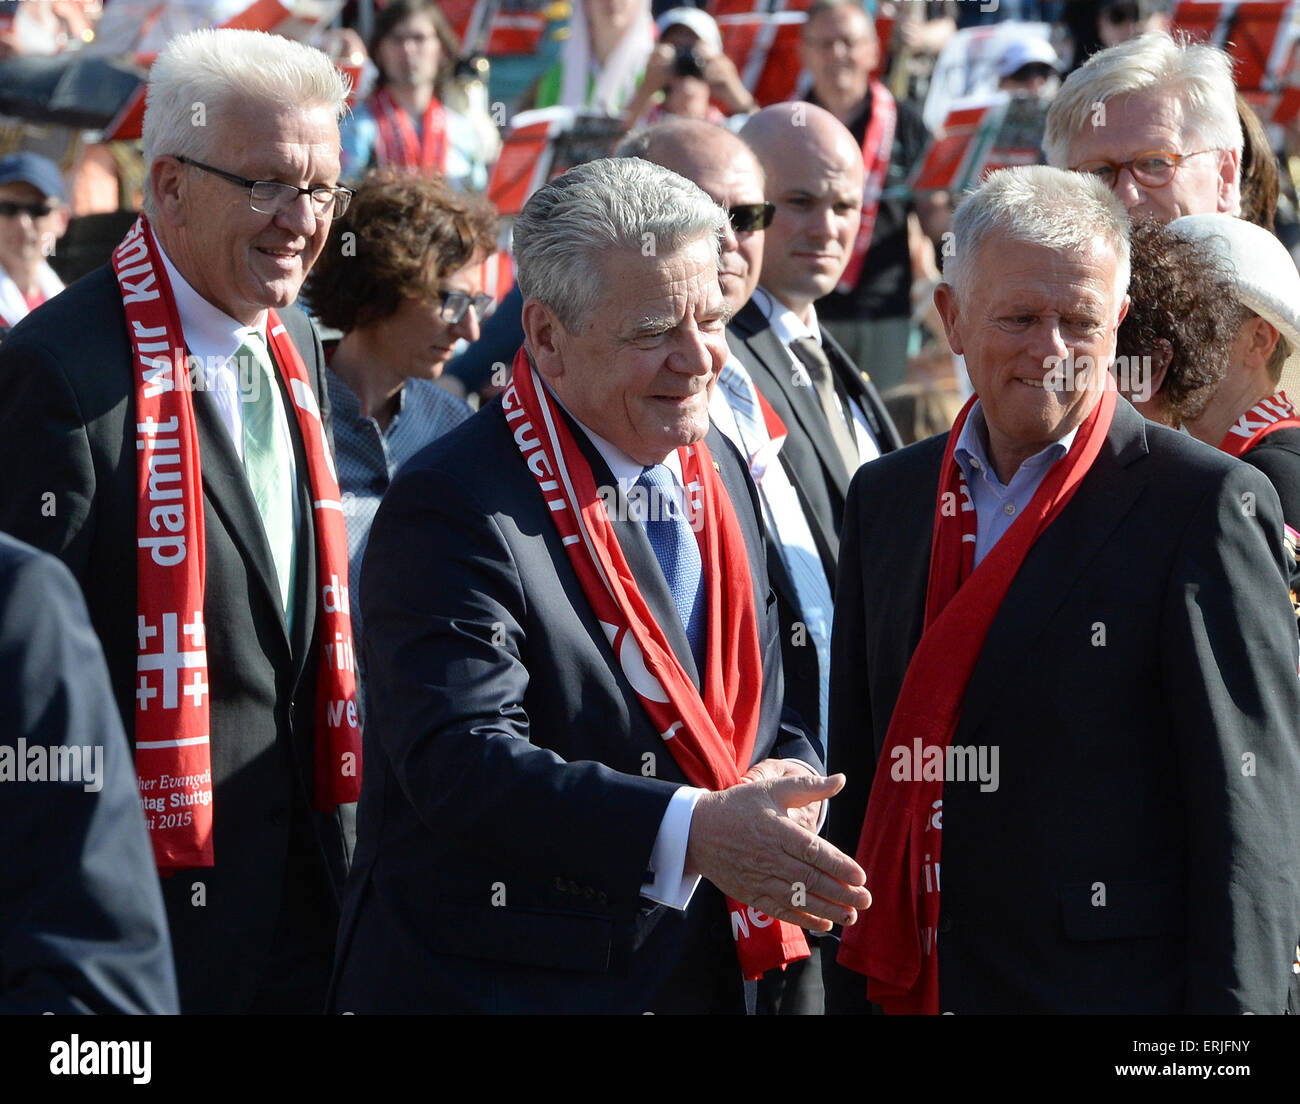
[579, 793]
[194, 499]
[1064, 644]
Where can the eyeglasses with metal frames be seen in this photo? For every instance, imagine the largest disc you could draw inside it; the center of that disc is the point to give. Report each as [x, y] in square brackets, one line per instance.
[270, 197]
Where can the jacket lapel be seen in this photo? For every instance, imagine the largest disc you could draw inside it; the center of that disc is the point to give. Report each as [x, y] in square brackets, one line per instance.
[226, 488]
[776, 365]
[862, 391]
[1056, 561]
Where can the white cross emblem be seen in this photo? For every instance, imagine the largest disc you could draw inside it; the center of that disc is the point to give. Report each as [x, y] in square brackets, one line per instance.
[170, 660]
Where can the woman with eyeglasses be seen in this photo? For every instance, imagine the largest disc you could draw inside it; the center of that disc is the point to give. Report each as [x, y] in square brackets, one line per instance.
[402, 277]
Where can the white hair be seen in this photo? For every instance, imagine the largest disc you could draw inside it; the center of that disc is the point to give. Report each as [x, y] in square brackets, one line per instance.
[1200, 76]
[601, 207]
[1037, 205]
[201, 74]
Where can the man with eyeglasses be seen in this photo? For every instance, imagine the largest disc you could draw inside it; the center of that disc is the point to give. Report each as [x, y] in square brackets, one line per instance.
[32, 218]
[1156, 120]
[165, 431]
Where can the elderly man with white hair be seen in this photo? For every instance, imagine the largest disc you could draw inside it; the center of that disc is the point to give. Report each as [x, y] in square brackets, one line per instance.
[1249, 415]
[580, 794]
[1156, 121]
[165, 432]
[1063, 646]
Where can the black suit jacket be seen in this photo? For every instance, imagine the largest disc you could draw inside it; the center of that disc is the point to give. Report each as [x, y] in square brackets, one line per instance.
[514, 784]
[1141, 852]
[815, 469]
[249, 924]
[82, 927]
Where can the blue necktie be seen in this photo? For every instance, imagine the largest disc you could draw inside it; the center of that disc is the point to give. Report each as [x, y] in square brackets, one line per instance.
[676, 550]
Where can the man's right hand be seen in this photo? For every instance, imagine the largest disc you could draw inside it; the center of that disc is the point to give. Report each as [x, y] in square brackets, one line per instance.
[744, 842]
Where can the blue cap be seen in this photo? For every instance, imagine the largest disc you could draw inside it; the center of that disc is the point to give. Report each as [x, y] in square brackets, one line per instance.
[31, 168]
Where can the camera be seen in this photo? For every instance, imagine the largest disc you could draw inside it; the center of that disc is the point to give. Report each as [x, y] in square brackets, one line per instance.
[689, 62]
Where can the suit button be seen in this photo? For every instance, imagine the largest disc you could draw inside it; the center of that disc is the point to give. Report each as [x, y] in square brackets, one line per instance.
[279, 816]
[589, 893]
[559, 884]
[575, 889]
[945, 924]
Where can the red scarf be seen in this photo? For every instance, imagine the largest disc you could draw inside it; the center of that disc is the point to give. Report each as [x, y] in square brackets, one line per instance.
[398, 144]
[172, 752]
[1258, 422]
[893, 942]
[711, 736]
[877, 146]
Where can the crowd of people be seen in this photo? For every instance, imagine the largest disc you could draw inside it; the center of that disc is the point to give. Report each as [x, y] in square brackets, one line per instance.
[810, 536]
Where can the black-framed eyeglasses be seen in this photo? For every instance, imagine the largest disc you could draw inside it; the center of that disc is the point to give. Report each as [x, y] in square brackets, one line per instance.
[35, 210]
[751, 216]
[1153, 169]
[456, 303]
[270, 197]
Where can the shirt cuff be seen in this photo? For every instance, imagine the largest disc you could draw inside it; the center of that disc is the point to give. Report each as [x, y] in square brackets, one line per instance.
[671, 886]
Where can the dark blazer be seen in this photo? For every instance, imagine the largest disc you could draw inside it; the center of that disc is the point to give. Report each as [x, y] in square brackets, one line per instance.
[82, 927]
[256, 925]
[815, 469]
[514, 784]
[1141, 852]
[1278, 457]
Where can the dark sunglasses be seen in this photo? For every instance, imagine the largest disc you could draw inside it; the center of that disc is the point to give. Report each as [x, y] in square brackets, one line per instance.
[456, 303]
[1116, 14]
[36, 210]
[751, 216]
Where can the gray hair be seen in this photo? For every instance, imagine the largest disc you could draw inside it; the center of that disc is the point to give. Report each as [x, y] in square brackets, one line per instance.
[598, 208]
[1199, 75]
[201, 74]
[1037, 205]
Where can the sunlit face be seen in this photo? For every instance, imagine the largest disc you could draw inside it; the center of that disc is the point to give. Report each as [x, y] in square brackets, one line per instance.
[616, 15]
[410, 53]
[415, 341]
[818, 197]
[1146, 121]
[839, 50]
[24, 239]
[641, 372]
[1029, 304]
[238, 259]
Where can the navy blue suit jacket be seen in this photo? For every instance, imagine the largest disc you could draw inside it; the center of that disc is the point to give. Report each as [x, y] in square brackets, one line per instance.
[514, 784]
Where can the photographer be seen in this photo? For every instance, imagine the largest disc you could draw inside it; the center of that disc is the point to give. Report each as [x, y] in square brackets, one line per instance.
[688, 75]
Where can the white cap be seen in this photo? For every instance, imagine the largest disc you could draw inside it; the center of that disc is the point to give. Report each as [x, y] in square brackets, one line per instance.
[699, 22]
[1027, 51]
[1259, 267]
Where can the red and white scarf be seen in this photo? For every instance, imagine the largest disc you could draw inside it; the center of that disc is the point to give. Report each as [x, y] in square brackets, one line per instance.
[893, 942]
[1267, 415]
[877, 146]
[398, 144]
[711, 735]
[172, 750]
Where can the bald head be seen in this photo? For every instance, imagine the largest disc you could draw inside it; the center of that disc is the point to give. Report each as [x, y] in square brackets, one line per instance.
[724, 168]
[814, 176]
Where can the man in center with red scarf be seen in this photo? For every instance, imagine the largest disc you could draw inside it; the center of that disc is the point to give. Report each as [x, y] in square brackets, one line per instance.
[1063, 642]
[582, 795]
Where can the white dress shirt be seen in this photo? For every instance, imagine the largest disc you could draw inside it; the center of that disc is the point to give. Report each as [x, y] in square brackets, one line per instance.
[213, 337]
